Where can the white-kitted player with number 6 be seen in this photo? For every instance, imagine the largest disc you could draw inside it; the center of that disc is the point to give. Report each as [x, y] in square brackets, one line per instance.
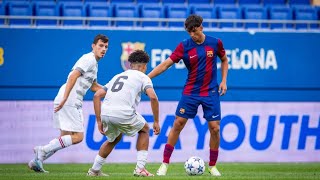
[118, 116]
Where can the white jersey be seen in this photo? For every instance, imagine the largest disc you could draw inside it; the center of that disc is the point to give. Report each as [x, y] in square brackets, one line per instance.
[88, 66]
[124, 93]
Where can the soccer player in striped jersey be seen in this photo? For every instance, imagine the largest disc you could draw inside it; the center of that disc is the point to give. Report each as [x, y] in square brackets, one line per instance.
[68, 115]
[199, 54]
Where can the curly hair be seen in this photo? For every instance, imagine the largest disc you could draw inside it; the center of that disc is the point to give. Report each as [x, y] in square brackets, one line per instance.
[192, 22]
[139, 56]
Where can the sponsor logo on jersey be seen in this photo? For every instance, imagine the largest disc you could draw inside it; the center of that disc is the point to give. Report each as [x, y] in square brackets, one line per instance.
[127, 49]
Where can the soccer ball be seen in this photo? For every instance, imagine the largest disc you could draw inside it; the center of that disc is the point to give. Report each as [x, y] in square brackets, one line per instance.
[194, 166]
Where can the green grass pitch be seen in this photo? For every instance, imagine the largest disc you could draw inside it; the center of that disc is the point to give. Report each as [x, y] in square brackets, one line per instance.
[176, 171]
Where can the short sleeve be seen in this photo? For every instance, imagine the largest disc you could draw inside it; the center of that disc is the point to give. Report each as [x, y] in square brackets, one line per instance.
[106, 87]
[84, 64]
[146, 83]
[177, 53]
[221, 51]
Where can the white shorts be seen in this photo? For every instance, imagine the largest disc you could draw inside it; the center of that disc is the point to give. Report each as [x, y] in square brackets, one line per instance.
[69, 118]
[114, 126]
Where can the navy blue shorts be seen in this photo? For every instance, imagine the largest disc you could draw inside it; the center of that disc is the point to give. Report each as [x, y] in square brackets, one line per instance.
[188, 106]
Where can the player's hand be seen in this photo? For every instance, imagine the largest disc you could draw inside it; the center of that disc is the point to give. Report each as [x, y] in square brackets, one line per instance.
[156, 128]
[100, 127]
[56, 109]
[222, 88]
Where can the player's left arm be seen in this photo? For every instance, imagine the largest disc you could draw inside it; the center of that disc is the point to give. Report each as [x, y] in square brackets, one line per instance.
[224, 73]
[155, 109]
[224, 68]
[97, 107]
[95, 86]
[147, 88]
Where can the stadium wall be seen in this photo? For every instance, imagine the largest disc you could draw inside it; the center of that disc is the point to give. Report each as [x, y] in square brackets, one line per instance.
[270, 113]
[264, 66]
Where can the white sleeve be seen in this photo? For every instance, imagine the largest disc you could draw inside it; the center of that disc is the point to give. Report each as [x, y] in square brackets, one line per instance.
[83, 64]
[106, 87]
[146, 83]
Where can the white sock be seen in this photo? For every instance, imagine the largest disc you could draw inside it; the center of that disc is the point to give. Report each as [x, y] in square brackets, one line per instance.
[47, 155]
[50, 153]
[142, 159]
[98, 162]
[57, 144]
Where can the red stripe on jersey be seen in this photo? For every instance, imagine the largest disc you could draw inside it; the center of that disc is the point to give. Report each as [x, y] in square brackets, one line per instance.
[204, 90]
[177, 54]
[193, 58]
[221, 52]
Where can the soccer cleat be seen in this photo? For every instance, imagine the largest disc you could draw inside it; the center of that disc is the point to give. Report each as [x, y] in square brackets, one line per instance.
[36, 163]
[162, 171]
[40, 166]
[32, 165]
[92, 172]
[214, 171]
[142, 173]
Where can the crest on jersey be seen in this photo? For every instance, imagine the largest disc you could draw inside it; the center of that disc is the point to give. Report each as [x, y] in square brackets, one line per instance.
[182, 111]
[210, 53]
[127, 49]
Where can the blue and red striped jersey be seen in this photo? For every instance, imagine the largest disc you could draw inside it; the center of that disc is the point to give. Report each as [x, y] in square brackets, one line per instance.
[201, 62]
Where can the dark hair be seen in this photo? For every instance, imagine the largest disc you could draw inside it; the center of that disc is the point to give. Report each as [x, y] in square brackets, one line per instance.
[103, 38]
[192, 22]
[139, 56]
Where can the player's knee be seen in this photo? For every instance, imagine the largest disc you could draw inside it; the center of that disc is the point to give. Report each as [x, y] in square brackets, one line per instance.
[145, 128]
[215, 130]
[178, 125]
[117, 139]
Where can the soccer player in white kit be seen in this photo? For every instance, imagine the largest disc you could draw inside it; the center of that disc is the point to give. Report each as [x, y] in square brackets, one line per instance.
[68, 116]
[118, 116]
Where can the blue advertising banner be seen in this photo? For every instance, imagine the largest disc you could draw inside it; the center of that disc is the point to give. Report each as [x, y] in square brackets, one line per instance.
[263, 66]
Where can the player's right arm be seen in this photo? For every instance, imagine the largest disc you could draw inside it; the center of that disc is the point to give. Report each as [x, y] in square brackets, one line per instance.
[155, 109]
[70, 83]
[175, 57]
[161, 68]
[97, 107]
